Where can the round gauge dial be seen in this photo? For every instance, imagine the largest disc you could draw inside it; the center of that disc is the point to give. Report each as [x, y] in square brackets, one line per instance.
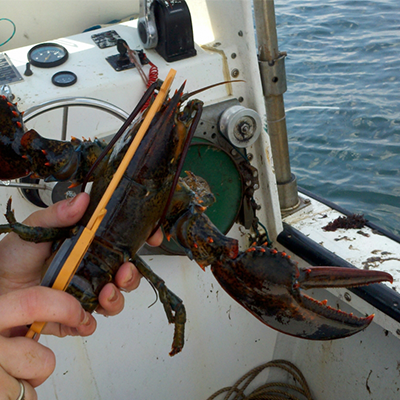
[64, 78]
[47, 55]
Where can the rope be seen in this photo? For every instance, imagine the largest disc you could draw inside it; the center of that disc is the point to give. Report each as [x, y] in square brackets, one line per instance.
[268, 391]
[12, 35]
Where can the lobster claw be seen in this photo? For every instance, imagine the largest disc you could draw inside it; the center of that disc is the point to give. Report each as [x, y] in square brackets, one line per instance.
[268, 284]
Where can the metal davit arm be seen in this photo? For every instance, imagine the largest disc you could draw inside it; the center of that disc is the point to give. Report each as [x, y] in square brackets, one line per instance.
[272, 70]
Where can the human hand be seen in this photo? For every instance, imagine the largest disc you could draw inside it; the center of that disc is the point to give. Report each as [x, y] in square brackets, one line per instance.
[22, 261]
[22, 302]
[23, 358]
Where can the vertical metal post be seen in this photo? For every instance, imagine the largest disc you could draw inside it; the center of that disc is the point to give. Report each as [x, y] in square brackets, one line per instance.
[273, 76]
[64, 123]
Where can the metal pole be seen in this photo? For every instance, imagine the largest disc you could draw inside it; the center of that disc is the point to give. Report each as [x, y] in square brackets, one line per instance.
[64, 123]
[273, 76]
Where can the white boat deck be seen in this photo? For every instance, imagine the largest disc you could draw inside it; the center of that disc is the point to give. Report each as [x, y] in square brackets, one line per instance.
[365, 248]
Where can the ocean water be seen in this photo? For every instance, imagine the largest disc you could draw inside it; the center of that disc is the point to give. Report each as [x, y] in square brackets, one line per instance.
[343, 101]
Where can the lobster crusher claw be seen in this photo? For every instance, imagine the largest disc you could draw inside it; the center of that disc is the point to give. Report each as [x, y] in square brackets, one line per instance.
[269, 285]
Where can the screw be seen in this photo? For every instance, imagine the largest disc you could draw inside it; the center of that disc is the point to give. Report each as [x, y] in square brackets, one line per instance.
[233, 55]
[240, 33]
[240, 99]
[347, 296]
[398, 331]
[235, 73]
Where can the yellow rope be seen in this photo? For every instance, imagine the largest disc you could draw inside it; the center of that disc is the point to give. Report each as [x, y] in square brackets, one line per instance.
[268, 391]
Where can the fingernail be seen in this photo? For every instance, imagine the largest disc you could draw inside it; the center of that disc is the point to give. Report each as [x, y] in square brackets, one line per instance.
[71, 200]
[128, 280]
[113, 296]
[85, 318]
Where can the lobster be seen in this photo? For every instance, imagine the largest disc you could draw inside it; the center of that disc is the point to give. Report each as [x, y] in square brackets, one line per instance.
[264, 281]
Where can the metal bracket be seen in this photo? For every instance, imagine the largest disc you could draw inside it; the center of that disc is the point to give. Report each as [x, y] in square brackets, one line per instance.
[273, 76]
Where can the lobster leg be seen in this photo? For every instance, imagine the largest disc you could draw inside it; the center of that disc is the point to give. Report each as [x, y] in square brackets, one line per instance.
[173, 305]
[32, 234]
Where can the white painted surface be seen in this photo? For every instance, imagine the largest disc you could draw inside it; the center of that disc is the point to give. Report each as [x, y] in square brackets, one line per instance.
[44, 20]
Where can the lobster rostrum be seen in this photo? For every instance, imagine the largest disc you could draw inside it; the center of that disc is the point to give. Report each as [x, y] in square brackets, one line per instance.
[264, 281]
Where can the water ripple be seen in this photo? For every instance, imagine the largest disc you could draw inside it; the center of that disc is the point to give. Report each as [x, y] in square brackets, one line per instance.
[343, 101]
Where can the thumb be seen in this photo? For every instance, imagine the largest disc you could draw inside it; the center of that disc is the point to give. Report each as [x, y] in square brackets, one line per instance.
[62, 214]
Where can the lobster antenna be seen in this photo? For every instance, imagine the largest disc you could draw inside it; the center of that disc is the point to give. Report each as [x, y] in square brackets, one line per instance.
[121, 130]
[187, 95]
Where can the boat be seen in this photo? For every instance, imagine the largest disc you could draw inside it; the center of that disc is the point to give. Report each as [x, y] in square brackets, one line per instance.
[127, 357]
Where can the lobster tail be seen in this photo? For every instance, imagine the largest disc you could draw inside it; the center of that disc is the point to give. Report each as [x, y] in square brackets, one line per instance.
[56, 160]
[50, 159]
[13, 165]
[22, 152]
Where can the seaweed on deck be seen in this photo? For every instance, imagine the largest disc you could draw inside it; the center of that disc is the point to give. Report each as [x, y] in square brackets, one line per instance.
[354, 221]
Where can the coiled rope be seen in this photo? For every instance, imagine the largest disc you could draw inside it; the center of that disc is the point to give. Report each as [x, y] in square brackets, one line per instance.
[268, 391]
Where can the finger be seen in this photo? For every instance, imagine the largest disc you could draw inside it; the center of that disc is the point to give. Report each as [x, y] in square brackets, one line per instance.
[85, 328]
[127, 277]
[111, 300]
[156, 239]
[24, 358]
[10, 387]
[61, 214]
[23, 307]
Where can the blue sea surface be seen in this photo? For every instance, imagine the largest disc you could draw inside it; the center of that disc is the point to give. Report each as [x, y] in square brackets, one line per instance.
[343, 101]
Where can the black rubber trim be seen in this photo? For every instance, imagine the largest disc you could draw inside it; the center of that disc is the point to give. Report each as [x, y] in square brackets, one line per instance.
[342, 210]
[380, 296]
